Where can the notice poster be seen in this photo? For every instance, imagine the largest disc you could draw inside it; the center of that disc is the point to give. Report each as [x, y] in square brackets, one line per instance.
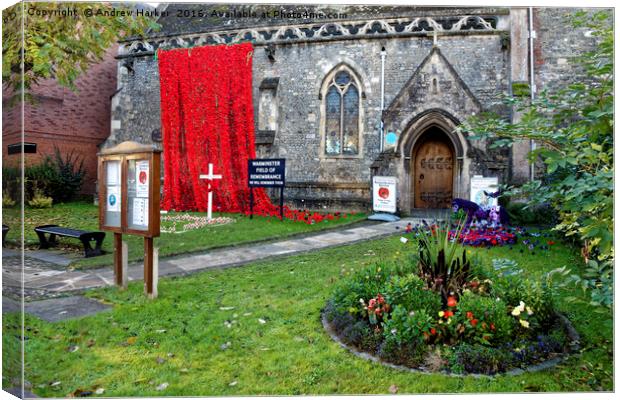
[113, 173]
[140, 211]
[384, 194]
[113, 199]
[142, 179]
[479, 185]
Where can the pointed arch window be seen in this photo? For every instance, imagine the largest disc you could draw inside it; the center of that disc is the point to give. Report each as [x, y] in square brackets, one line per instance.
[342, 114]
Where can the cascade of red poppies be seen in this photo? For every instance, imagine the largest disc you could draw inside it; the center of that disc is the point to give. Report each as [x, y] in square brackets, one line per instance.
[207, 116]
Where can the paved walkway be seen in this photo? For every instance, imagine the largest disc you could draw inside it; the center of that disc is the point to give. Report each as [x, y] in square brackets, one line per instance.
[42, 281]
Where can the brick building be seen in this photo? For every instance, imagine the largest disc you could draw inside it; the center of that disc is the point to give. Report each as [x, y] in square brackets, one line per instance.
[367, 91]
[76, 121]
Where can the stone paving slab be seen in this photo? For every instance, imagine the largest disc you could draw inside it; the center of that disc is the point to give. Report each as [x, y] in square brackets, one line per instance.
[45, 277]
[63, 308]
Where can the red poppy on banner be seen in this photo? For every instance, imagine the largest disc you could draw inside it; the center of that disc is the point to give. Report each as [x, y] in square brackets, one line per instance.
[207, 116]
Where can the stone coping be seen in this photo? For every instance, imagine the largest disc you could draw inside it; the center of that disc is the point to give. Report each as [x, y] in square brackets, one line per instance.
[574, 344]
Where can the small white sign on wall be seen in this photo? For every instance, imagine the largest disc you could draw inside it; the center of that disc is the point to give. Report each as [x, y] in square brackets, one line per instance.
[478, 186]
[384, 194]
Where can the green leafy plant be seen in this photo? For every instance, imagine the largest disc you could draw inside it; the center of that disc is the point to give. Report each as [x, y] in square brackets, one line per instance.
[39, 200]
[442, 260]
[408, 326]
[411, 292]
[483, 320]
[573, 127]
[7, 201]
[58, 46]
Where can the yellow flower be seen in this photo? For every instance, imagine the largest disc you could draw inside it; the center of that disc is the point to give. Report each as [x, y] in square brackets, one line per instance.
[524, 323]
[529, 311]
[516, 311]
[441, 313]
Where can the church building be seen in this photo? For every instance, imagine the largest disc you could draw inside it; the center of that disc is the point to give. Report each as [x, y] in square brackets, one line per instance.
[345, 93]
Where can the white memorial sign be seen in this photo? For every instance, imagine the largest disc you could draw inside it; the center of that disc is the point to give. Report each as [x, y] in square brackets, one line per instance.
[478, 186]
[142, 179]
[384, 194]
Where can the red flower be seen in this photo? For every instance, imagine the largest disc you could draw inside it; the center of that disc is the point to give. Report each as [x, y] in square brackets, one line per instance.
[474, 284]
[380, 299]
[474, 322]
[492, 326]
[451, 301]
[372, 303]
[550, 242]
[469, 314]
[448, 314]
[433, 331]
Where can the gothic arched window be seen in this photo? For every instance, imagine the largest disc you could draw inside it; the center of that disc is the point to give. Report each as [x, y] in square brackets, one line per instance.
[342, 113]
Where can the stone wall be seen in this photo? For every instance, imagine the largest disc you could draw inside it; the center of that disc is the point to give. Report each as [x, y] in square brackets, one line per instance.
[480, 61]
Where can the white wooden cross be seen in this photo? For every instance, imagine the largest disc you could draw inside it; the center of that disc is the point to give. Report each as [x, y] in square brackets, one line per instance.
[210, 177]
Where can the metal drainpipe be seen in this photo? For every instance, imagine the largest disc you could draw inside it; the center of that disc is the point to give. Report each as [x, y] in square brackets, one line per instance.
[532, 36]
[383, 54]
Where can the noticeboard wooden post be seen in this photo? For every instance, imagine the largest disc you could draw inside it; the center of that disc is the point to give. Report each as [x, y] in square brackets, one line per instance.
[129, 183]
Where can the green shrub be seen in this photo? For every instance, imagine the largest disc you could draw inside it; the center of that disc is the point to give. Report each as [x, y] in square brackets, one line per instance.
[71, 175]
[522, 214]
[364, 284]
[479, 359]
[408, 354]
[408, 326]
[7, 201]
[411, 292]
[514, 289]
[40, 201]
[484, 320]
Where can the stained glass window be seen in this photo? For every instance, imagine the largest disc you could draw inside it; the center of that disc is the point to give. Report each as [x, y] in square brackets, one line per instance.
[342, 115]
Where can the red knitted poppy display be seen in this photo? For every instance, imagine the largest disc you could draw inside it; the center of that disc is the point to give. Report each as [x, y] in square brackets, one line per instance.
[207, 117]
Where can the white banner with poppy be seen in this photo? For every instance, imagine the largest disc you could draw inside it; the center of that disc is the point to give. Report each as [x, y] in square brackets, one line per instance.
[384, 194]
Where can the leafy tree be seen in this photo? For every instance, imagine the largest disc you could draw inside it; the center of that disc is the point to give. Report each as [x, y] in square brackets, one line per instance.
[61, 46]
[573, 127]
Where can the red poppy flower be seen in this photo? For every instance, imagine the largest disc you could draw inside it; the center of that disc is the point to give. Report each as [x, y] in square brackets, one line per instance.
[469, 314]
[448, 314]
[474, 322]
[433, 331]
[451, 301]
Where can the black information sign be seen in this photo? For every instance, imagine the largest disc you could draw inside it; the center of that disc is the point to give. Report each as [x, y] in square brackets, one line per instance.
[266, 172]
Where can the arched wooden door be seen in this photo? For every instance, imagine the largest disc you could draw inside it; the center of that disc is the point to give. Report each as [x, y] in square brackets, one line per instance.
[433, 171]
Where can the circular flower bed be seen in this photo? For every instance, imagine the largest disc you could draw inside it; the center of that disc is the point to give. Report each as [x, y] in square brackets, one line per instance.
[442, 313]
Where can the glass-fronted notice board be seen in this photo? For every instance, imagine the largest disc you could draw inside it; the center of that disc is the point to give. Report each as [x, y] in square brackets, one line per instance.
[138, 194]
[112, 216]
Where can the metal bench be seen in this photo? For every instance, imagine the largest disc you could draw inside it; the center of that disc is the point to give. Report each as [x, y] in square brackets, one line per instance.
[85, 237]
[5, 230]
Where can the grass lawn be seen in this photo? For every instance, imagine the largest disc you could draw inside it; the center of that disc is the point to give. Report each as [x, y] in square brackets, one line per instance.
[255, 330]
[85, 216]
